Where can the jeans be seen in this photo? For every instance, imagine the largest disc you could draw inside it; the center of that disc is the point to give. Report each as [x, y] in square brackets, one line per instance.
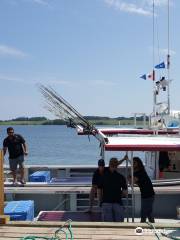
[112, 212]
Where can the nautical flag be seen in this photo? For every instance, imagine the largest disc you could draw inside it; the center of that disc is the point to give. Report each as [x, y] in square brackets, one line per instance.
[151, 76]
[160, 65]
[143, 77]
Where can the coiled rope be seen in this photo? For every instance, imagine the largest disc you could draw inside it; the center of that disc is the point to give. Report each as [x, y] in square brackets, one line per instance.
[162, 233]
[63, 231]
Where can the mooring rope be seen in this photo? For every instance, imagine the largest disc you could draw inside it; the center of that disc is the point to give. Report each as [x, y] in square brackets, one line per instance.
[162, 233]
[65, 230]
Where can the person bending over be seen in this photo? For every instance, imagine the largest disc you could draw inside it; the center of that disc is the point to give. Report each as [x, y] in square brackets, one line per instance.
[142, 179]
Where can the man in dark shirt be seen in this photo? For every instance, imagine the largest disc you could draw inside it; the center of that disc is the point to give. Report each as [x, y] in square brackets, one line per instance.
[113, 186]
[17, 148]
[96, 180]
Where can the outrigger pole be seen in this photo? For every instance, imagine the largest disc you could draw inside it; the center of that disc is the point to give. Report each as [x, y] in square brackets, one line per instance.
[61, 108]
[57, 105]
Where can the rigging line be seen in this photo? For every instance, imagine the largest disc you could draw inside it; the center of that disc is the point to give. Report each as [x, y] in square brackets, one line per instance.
[158, 48]
[64, 102]
[55, 107]
[60, 99]
[58, 110]
[153, 36]
[168, 28]
[56, 104]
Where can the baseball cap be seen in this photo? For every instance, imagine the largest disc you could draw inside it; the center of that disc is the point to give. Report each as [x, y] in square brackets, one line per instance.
[113, 162]
[101, 162]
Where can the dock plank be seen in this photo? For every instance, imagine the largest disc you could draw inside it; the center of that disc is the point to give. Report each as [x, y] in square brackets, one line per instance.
[82, 231]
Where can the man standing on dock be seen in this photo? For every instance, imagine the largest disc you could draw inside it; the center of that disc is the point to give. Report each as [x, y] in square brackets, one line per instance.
[113, 186]
[97, 179]
[17, 149]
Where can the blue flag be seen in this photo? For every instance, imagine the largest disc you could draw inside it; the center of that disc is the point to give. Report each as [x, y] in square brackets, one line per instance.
[161, 65]
[143, 77]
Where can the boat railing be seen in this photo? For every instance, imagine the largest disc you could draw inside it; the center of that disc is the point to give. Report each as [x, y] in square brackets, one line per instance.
[143, 115]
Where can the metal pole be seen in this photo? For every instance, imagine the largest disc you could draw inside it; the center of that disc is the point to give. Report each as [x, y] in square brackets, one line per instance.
[135, 120]
[127, 198]
[1, 183]
[144, 120]
[153, 29]
[168, 64]
[102, 151]
[132, 187]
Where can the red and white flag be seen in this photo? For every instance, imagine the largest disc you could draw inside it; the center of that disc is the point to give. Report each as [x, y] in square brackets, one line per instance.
[151, 76]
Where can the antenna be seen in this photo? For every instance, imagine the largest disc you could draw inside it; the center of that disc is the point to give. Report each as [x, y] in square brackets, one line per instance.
[154, 95]
[168, 60]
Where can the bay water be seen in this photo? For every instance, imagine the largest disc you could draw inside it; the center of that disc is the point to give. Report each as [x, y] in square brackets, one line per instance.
[56, 145]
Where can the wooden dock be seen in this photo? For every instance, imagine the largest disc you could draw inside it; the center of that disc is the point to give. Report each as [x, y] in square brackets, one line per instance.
[89, 231]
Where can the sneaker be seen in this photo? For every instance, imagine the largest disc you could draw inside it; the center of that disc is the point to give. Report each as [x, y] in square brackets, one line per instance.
[15, 183]
[22, 182]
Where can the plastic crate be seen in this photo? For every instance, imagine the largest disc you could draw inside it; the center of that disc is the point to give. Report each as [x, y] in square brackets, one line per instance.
[20, 210]
[40, 176]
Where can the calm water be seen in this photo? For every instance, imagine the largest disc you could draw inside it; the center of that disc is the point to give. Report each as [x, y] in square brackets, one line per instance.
[56, 145]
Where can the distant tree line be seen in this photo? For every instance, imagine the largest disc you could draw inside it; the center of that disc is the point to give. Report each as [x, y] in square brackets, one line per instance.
[97, 119]
[29, 119]
[140, 118]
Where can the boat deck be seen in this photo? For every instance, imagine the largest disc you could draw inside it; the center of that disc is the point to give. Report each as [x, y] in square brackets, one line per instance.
[89, 230]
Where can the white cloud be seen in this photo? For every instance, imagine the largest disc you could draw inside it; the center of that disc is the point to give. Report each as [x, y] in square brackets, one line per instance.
[142, 7]
[128, 7]
[164, 51]
[35, 80]
[161, 51]
[40, 2]
[13, 79]
[12, 52]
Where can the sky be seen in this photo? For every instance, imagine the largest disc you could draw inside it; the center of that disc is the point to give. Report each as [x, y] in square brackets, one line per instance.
[92, 52]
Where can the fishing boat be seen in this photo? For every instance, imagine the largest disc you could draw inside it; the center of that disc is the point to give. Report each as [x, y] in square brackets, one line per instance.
[66, 188]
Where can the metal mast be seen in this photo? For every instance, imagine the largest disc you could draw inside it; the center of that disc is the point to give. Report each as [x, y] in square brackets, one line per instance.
[168, 61]
[154, 95]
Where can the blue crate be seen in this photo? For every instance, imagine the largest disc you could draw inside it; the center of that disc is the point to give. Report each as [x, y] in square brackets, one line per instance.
[20, 210]
[40, 176]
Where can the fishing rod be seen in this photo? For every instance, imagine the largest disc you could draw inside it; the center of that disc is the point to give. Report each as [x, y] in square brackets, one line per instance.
[61, 108]
[56, 108]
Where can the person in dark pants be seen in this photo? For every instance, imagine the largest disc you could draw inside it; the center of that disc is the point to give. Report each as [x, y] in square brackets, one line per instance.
[96, 180]
[17, 148]
[146, 188]
[113, 187]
